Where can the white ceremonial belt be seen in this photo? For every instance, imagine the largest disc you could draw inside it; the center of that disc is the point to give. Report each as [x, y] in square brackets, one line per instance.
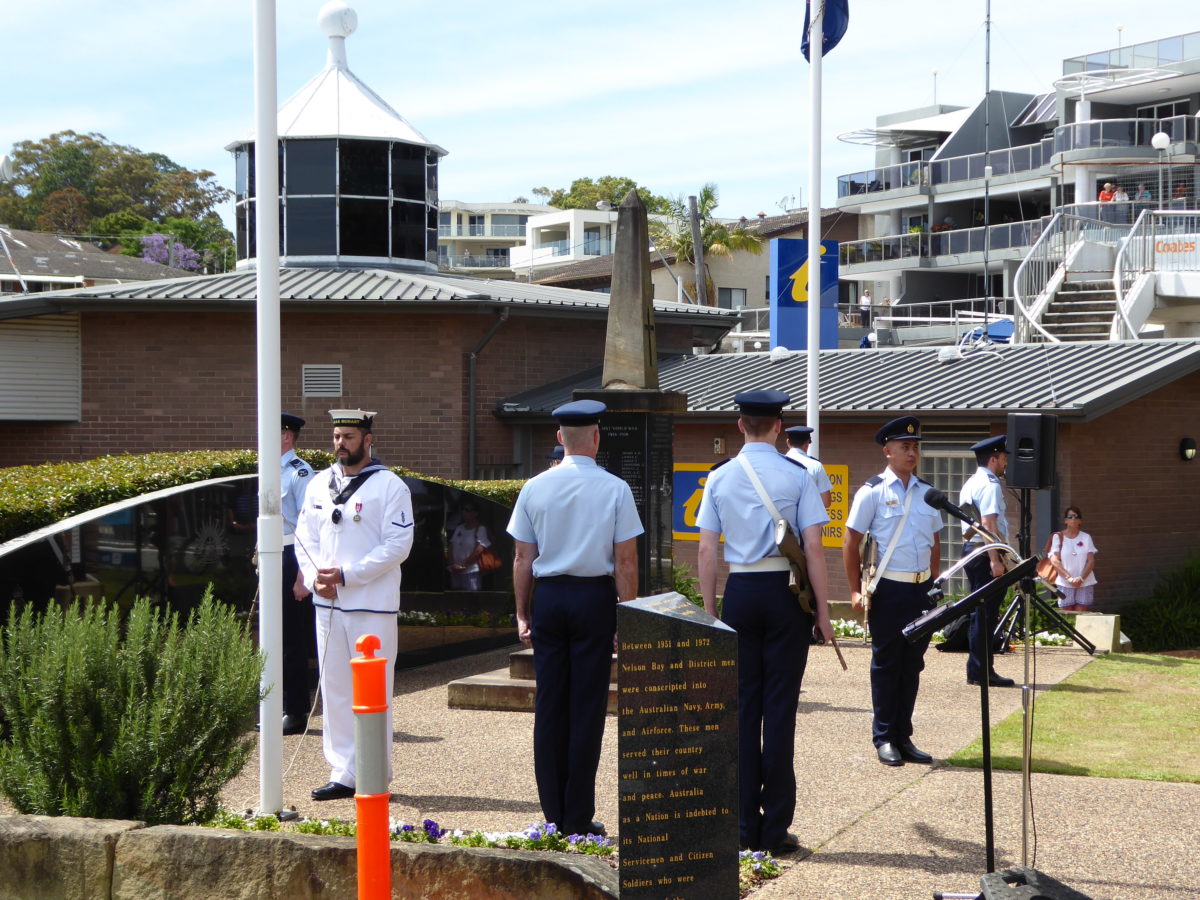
[766, 564]
[288, 540]
[906, 577]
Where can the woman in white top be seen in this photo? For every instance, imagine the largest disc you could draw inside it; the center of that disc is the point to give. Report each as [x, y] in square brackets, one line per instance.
[466, 543]
[1074, 557]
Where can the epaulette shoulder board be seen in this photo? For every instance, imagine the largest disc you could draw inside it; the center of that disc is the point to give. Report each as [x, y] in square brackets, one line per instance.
[721, 463]
[874, 480]
[921, 480]
[795, 462]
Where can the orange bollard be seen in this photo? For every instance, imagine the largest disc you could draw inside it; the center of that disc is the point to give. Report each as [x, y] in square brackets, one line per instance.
[371, 797]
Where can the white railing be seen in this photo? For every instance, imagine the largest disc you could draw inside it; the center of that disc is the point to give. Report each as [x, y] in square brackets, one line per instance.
[1160, 241]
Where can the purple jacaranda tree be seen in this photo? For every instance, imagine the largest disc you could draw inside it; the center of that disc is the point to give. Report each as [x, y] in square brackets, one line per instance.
[156, 249]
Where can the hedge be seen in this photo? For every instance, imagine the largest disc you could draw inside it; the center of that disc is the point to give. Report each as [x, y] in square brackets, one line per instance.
[35, 496]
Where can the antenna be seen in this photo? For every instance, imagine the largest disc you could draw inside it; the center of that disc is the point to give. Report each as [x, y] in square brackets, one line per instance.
[6, 168]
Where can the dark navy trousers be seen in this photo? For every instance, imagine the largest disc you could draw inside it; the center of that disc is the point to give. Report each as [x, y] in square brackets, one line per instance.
[573, 626]
[773, 635]
[896, 664]
[984, 619]
[299, 641]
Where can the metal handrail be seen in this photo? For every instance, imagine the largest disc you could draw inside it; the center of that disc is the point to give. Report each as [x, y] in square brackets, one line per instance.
[1131, 263]
[1035, 270]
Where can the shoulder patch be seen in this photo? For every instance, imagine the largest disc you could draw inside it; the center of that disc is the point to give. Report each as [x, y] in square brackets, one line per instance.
[875, 481]
[302, 473]
[721, 463]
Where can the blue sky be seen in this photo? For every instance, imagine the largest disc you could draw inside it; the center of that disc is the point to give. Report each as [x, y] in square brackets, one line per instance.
[670, 93]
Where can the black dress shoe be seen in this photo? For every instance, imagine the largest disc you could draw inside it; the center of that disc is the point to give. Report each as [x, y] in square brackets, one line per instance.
[597, 828]
[333, 791]
[994, 680]
[295, 724]
[910, 753]
[789, 844]
[889, 755]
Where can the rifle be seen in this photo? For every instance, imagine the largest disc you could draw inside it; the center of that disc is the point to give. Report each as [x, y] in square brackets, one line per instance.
[868, 562]
[793, 551]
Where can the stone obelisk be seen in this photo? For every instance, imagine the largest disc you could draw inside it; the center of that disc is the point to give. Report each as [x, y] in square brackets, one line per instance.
[637, 433]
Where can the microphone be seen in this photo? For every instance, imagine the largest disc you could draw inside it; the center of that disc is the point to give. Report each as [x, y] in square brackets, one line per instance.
[938, 500]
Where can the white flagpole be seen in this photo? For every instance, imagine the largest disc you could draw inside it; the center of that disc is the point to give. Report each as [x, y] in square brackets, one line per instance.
[270, 521]
[812, 403]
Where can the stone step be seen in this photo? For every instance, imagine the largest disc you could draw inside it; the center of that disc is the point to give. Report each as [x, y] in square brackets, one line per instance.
[520, 665]
[498, 691]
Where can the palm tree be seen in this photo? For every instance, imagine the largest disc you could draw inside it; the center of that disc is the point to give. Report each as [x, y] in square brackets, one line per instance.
[674, 235]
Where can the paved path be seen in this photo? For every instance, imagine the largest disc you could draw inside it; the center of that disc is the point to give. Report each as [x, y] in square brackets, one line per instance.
[876, 832]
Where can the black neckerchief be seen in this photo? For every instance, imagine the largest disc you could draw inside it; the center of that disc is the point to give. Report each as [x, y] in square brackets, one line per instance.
[340, 497]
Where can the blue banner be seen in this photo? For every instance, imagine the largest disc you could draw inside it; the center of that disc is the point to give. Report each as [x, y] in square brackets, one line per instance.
[833, 25]
[789, 294]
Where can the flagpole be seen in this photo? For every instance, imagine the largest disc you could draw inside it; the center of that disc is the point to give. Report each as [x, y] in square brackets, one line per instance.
[815, 49]
[270, 521]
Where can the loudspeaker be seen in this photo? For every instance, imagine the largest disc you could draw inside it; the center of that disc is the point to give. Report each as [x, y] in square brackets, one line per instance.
[1032, 440]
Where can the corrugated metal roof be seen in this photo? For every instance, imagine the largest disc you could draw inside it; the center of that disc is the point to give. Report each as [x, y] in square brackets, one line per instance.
[40, 254]
[313, 285]
[1076, 380]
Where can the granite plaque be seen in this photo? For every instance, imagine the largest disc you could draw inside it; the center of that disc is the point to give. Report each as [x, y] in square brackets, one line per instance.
[677, 751]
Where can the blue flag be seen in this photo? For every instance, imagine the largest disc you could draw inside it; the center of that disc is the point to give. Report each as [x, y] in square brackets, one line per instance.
[833, 26]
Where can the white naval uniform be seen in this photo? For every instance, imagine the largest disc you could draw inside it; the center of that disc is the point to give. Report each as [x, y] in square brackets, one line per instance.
[369, 552]
[814, 468]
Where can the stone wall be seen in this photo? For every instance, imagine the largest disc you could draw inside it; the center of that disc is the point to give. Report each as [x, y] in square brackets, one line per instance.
[47, 858]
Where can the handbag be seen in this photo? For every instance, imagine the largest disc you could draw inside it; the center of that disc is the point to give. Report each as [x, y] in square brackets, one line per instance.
[1045, 568]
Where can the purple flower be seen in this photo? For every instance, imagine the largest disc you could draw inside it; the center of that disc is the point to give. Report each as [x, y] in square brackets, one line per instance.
[433, 829]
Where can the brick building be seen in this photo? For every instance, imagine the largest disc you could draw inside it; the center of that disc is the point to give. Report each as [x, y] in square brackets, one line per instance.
[1123, 409]
[170, 365]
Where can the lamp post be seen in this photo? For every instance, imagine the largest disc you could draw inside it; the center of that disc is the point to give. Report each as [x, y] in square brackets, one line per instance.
[1160, 142]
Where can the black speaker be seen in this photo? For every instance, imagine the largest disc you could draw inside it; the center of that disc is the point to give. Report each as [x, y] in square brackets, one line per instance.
[1032, 440]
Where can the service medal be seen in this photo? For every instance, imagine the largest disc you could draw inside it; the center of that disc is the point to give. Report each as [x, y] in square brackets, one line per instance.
[357, 510]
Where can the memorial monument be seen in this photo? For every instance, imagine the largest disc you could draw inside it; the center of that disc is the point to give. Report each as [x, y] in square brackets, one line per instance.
[637, 432]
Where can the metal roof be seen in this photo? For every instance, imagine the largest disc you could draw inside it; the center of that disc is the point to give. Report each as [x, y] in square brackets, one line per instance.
[1074, 380]
[360, 286]
[39, 254]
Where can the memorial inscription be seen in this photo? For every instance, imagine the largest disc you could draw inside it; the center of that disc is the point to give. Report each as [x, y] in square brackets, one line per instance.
[677, 751]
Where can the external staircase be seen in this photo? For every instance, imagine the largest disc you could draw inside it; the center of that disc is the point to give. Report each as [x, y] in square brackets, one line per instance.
[512, 688]
[1081, 311]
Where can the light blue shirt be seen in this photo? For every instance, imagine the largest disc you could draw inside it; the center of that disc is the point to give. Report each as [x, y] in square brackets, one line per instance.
[815, 469]
[575, 513]
[731, 505]
[985, 491]
[294, 476]
[878, 509]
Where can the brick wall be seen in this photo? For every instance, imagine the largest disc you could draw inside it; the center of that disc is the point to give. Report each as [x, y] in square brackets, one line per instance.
[176, 381]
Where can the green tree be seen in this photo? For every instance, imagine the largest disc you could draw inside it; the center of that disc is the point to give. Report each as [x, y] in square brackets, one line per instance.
[585, 193]
[716, 238]
[64, 211]
[113, 178]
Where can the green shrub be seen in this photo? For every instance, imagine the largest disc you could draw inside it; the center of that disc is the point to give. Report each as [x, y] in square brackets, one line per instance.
[142, 720]
[1169, 617]
[34, 496]
[683, 582]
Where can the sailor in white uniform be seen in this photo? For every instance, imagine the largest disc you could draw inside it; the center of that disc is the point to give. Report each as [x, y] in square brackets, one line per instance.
[355, 530]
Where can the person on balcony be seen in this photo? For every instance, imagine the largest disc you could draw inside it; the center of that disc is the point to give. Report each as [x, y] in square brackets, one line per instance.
[864, 309]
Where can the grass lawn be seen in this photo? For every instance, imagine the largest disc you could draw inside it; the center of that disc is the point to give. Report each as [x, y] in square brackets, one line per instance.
[1121, 716]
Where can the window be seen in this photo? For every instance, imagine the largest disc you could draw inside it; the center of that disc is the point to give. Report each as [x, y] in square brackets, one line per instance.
[311, 227]
[477, 226]
[310, 167]
[363, 168]
[364, 227]
[946, 462]
[408, 172]
[321, 380]
[731, 298]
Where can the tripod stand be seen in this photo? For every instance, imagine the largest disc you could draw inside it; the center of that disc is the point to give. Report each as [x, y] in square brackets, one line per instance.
[1013, 623]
